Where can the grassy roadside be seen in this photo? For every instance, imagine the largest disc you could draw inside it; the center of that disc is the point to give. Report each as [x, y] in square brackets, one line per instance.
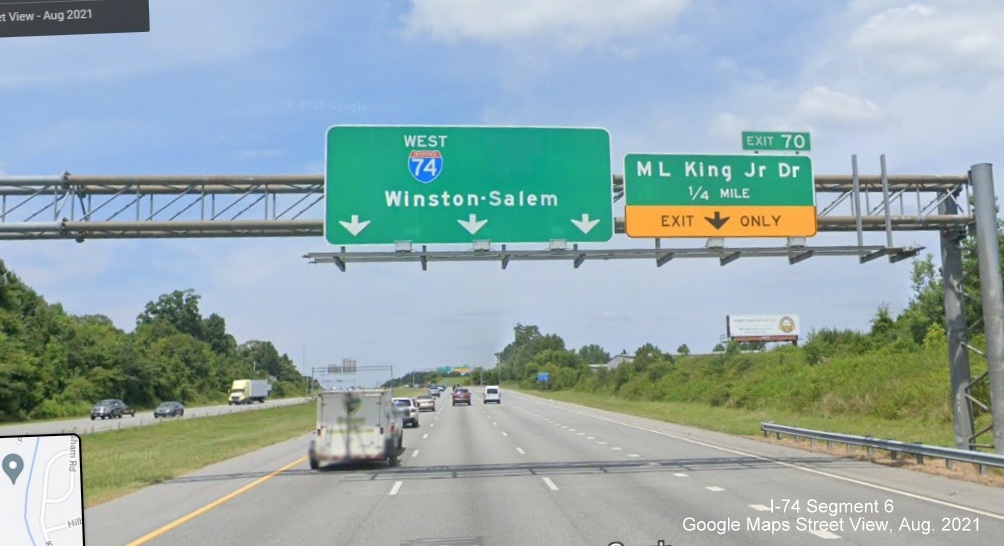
[747, 422]
[120, 462]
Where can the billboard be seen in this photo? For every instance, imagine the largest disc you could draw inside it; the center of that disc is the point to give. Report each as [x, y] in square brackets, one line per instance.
[762, 327]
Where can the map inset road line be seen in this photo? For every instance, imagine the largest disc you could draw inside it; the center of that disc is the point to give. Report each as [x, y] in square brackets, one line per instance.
[41, 493]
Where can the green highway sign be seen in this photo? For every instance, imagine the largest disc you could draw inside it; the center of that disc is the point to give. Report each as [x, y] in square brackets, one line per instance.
[719, 196]
[451, 184]
[776, 142]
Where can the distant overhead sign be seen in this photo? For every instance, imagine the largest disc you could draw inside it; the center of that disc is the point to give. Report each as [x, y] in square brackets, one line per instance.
[444, 370]
[719, 196]
[776, 142]
[428, 185]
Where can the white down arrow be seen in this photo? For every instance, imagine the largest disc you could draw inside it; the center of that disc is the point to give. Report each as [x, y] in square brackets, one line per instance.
[586, 225]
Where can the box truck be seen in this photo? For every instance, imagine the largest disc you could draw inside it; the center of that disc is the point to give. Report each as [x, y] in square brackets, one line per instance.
[248, 391]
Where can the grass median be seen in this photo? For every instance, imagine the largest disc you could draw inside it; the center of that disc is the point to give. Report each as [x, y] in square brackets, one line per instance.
[122, 461]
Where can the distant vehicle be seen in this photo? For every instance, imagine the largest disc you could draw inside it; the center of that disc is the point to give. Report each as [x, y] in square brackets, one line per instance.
[493, 394]
[112, 408]
[408, 409]
[434, 391]
[360, 425]
[169, 409]
[426, 403]
[461, 396]
[442, 388]
[249, 391]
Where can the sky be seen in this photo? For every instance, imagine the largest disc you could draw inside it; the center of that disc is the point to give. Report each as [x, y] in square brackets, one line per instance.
[223, 87]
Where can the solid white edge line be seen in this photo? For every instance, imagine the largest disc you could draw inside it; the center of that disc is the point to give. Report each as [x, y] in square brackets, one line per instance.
[550, 484]
[396, 488]
[790, 465]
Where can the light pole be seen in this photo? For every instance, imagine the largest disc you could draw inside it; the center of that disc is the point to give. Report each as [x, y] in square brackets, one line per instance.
[303, 364]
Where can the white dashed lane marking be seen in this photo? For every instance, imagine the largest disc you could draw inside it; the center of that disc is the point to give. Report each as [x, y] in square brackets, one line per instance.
[520, 450]
[825, 534]
[415, 454]
[679, 474]
[424, 436]
[714, 488]
[760, 507]
[396, 488]
[550, 484]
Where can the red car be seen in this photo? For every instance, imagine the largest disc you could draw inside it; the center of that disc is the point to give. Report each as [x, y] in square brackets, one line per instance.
[461, 396]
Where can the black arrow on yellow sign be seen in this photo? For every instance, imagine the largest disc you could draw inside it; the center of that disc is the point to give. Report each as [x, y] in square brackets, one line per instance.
[717, 221]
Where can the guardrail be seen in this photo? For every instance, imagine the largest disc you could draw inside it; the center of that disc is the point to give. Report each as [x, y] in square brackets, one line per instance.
[950, 455]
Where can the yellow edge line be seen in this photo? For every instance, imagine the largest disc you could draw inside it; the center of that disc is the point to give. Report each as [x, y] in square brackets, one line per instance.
[154, 534]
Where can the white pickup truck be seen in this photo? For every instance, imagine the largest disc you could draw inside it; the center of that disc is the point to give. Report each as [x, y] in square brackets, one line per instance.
[355, 426]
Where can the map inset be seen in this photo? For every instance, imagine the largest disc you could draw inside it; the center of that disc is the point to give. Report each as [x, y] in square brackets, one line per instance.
[41, 493]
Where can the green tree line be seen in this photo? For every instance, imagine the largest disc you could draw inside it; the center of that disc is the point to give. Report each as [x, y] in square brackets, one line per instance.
[54, 364]
[896, 369]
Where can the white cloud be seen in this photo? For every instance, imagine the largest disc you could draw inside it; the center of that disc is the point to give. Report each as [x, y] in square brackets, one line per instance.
[727, 127]
[931, 39]
[182, 33]
[574, 23]
[823, 106]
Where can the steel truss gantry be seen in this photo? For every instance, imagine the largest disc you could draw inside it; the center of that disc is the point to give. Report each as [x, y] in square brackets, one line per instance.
[76, 207]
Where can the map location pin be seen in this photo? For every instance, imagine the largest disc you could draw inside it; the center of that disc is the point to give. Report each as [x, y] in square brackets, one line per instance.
[12, 466]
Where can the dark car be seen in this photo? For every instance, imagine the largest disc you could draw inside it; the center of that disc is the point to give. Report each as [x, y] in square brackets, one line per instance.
[111, 408]
[169, 409]
[461, 396]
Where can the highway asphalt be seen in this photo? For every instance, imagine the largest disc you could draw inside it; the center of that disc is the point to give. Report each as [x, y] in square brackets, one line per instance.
[87, 426]
[535, 472]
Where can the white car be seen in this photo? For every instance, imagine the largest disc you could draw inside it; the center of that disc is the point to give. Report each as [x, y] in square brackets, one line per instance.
[493, 394]
[408, 409]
